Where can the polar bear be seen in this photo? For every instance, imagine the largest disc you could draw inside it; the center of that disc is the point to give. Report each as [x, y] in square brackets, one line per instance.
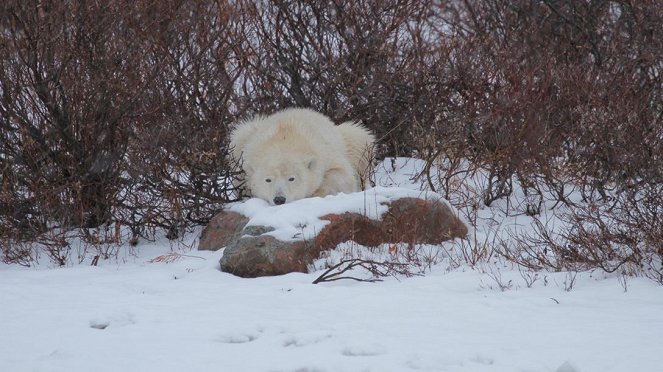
[297, 153]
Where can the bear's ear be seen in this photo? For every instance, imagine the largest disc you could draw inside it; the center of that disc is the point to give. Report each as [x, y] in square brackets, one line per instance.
[311, 163]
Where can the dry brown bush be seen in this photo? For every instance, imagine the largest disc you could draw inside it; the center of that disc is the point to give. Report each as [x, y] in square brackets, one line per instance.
[112, 112]
[73, 79]
[568, 94]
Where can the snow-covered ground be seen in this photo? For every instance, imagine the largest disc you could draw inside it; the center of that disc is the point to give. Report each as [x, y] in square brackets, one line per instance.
[168, 308]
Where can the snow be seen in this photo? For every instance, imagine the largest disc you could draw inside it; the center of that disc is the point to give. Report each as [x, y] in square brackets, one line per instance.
[300, 219]
[169, 308]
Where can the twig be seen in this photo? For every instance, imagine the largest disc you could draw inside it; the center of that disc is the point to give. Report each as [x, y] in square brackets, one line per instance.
[390, 268]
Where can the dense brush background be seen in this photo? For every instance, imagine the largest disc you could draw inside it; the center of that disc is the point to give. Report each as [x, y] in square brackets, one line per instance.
[115, 115]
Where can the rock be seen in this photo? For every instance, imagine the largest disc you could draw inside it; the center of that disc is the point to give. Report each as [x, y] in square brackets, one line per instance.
[415, 220]
[264, 255]
[251, 253]
[221, 230]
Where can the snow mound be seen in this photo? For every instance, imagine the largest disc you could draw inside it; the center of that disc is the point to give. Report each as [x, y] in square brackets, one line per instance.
[300, 220]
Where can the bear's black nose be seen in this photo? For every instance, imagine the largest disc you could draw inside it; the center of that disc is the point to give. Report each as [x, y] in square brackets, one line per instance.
[278, 200]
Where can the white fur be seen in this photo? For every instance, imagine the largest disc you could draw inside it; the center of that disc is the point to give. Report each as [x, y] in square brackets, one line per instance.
[302, 153]
[359, 143]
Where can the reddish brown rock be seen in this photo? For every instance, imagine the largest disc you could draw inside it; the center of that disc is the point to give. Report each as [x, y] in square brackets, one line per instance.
[251, 253]
[414, 220]
[222, 230]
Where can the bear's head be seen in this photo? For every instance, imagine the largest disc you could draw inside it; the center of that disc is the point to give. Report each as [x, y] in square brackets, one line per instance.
[284, 178]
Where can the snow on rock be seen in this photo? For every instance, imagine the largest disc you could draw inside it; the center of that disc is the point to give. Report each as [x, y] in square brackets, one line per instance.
[301, 219]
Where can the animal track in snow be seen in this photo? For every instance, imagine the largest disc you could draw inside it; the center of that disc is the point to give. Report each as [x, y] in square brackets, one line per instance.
[482, 359]
[113, 321]
[305, 340]
[237, 338]
[362, 350]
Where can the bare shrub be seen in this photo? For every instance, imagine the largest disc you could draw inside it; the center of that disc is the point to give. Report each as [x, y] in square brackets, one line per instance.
[377, 270]
[562, 96]
[178, 161]
[353, 61]
[69, 89]
[619, 236]
[86, 90]
[351, 261]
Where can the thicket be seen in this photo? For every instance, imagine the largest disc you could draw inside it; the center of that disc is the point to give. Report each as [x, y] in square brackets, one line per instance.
[115, 114]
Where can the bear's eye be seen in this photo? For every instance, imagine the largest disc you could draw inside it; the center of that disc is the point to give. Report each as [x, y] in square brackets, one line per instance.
[291, 179]
[268, 180]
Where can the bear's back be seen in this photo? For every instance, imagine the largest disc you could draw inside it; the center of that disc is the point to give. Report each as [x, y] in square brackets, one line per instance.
[296, 128]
